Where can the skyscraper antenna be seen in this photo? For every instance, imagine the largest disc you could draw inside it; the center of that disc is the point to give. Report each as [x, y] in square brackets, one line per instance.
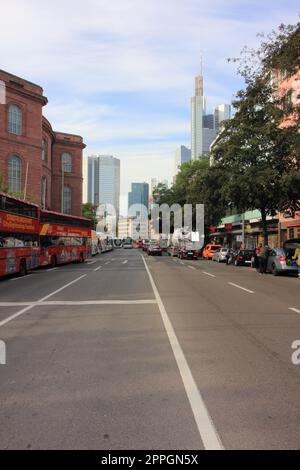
[201, 64]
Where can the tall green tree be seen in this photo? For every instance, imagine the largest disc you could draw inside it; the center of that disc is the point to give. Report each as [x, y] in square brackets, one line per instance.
[90, 212]
[258, 154]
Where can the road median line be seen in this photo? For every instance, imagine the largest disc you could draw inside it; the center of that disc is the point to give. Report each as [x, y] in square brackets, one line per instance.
[207, 431]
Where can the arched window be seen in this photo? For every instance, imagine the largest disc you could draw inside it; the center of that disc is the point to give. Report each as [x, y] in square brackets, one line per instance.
[67, 202]
[67, 163]
[15, 119]
[44, 192]
[15, 174]
[44, 150]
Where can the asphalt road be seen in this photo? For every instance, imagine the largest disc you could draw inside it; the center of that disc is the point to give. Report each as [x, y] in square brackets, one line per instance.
[127, 353]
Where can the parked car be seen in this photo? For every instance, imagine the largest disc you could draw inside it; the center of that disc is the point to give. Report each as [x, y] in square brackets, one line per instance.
[278, 263]
[188, 251]
[290, 247]
[146, 245]
[173, 250]
[128, 245]
[154, 250]
[220, 256]
[210, 250]
[242, 258]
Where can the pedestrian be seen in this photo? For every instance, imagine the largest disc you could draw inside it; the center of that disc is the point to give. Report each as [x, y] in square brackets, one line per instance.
[263, 259]
[296, 257]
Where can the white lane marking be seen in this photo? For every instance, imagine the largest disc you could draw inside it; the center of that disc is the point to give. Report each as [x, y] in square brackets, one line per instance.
[15, 304]
[107, 262]
[92, 262]
[21, 312]
[192, 267]
[62, 288]
[98, 269]
[181, 262]
[125, 262]
[206, 428]
[240, 287]
[208, 274]
[79, 302]
[98, 302]
[51, 269]
[20, 278]
[295, 310]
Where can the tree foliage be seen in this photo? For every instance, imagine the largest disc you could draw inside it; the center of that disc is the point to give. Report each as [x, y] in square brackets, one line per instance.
[90, 212]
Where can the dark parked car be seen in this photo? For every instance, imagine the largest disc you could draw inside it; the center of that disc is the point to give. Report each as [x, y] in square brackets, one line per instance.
[188, 251]
[154, 250]
[243, 258]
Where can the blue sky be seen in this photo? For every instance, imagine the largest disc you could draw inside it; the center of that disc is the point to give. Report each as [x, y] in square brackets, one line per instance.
[121, 72]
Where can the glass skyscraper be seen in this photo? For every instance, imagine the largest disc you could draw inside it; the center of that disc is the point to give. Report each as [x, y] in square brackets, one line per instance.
[104, 180]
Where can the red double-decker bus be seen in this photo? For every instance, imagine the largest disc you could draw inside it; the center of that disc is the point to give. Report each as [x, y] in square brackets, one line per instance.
[30, 237]
[19, 236]
[63, 238]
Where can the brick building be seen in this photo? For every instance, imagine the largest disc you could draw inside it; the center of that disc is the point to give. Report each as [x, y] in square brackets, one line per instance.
[34, 159]
[289, 92]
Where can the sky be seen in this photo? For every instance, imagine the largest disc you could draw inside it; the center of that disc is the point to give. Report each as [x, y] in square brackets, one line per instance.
[121, 72]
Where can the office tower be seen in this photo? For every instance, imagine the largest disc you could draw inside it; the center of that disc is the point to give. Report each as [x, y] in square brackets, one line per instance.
[222, 112]
[104, 180]
[209, 121]
[203, 128]
[182, 155]
[139, 194]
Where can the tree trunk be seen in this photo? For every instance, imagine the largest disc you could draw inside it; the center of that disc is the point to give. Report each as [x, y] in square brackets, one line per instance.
[264, 226]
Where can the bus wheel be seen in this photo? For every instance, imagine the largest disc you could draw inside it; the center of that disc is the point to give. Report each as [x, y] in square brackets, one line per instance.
[53, 262]
[23, 268]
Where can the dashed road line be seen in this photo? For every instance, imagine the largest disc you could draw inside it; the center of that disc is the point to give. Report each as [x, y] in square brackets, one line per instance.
[294, 310]
[92, 262]
[242, 288]
[125, 262]
[192, 267]
[208, 274]
[98, 269]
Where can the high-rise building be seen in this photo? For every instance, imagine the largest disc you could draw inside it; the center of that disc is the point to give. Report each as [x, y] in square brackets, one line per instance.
[182, 155]
[139, 195]
[222, 112]
[209, 121]
[203, 127]
[104, 180]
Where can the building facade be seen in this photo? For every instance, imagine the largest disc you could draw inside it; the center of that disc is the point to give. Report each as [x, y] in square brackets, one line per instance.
[139, 195]
[222, 113]
[36, 162]
[182, 155]
[104, 181]
[204, 127]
